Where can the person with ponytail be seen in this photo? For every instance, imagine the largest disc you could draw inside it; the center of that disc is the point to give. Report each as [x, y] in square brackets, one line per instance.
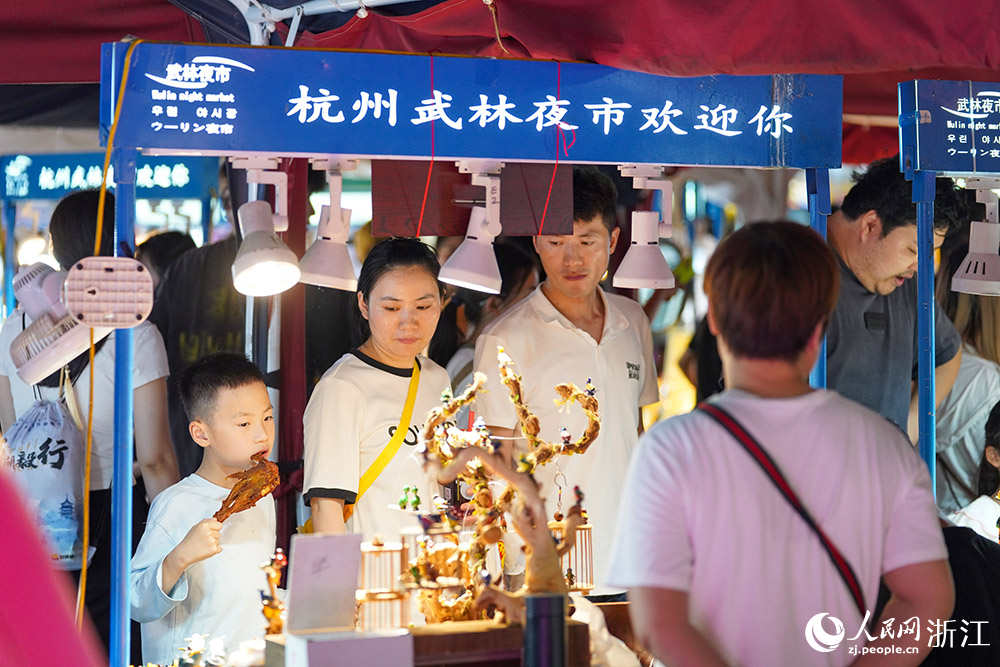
[981, 514]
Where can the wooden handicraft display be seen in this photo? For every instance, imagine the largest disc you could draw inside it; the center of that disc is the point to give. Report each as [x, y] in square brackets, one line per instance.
[451, 578]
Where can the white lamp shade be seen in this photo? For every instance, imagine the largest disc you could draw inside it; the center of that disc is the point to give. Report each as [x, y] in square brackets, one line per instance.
[644, 265]
[474, 263]
[328, 264]
[264, 265]
[979, 272]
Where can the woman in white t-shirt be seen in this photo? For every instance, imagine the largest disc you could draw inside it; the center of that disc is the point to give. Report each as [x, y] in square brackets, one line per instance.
[356, 408]
[72, 228]
[982, 514]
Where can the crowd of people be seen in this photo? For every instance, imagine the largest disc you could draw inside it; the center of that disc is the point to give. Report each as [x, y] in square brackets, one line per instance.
[730, 529]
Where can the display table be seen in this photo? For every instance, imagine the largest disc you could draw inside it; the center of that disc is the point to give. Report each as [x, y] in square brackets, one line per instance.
[467, 643]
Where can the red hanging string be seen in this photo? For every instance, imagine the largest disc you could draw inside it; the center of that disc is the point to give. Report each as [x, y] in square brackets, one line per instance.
[430, 165]
[560, 135]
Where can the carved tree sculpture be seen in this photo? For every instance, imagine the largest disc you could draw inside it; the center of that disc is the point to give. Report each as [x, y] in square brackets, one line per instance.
[474, 458]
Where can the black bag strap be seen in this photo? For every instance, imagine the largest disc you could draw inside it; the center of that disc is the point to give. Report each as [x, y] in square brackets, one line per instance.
[770, 468]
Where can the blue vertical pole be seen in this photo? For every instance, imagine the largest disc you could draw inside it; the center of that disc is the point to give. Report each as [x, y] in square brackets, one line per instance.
[818, 187]
[121, 485]
[923, 196]
[206, 220]
[717, 215]
[9, 255]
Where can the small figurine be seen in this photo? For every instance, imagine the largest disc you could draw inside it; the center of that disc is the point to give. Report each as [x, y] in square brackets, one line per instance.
[503, 359]
[272, 605]
[405, 498]
[589, 389]
[439, 504]
[479, 425]
[415, 502]
[428, 521]
[483, 495]
[202, 651]
[570, 577]
[565, 436]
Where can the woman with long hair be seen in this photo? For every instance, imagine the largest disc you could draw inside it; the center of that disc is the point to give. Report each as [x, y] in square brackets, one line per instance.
[962, 416]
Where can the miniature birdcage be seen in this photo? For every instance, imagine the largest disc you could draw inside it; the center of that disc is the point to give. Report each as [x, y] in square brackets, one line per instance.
[577, 564]
[382, 601]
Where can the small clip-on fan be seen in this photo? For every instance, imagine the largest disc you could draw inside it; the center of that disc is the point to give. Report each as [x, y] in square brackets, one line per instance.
[105, 293]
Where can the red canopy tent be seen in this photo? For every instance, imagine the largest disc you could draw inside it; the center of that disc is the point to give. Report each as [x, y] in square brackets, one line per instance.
[874, 45]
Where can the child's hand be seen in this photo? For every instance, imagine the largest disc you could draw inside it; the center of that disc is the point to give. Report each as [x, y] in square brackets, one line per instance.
[201, 542]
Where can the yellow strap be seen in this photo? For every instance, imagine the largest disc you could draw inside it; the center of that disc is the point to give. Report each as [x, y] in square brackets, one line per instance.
[389, 451]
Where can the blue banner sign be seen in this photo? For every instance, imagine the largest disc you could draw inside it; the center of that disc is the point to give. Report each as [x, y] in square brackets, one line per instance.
[220, 100]
[52, 176]
[950, 127]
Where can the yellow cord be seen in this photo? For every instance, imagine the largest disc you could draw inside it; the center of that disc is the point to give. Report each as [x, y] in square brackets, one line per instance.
[82, 591]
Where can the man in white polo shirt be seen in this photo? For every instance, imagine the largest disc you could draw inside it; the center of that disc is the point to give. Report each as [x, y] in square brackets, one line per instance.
[569, 330]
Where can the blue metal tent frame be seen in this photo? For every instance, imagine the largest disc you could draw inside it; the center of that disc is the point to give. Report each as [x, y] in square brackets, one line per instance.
[239, 101]
[945, 129]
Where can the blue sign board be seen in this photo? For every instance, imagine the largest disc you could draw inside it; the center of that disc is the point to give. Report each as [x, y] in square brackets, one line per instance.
[950, 127]
[220, 100]
[52, 176]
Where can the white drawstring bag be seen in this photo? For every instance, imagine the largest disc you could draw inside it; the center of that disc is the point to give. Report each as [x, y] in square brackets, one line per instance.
[45, 453]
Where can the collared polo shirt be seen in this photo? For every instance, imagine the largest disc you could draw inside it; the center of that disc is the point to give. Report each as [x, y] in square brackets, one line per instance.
[548, 349]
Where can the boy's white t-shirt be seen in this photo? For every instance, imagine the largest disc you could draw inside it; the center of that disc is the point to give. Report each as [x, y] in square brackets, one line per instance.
[700, 516]
[351, 416]
[218, 596]
[149, 363]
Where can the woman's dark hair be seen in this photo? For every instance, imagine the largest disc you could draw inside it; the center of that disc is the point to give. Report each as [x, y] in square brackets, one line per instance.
[73, 227]
[160, 250]
[516, 264]
[392, 253]
[989, 476]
